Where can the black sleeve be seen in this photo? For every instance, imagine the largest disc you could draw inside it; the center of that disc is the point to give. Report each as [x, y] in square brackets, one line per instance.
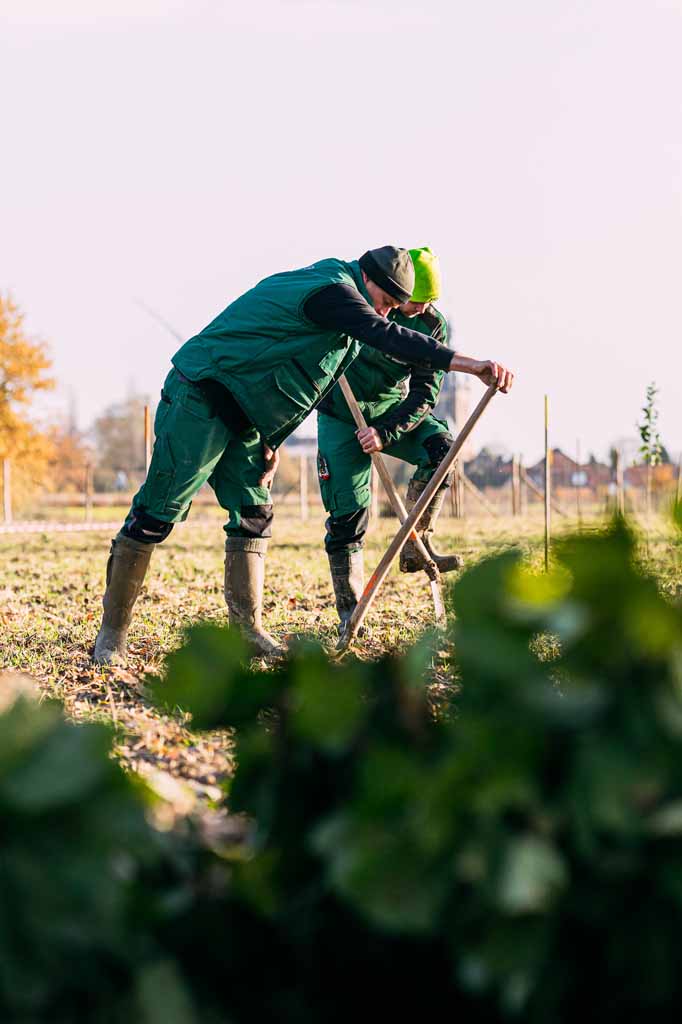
[338, 307]
[420, 400]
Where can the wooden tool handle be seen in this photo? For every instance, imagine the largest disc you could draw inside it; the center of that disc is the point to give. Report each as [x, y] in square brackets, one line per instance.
[398, 542]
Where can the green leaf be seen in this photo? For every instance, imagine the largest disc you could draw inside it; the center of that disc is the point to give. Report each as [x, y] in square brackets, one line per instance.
[532, 876]
[71, 764]
[162, 996]
[208, 677]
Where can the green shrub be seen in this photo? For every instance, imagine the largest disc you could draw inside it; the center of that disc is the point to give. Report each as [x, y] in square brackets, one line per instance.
[518, 859]
[86, 882]
[516, 856]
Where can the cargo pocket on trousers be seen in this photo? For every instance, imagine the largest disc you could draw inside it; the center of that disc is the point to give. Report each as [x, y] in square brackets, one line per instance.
[351, 500]
[159, 485]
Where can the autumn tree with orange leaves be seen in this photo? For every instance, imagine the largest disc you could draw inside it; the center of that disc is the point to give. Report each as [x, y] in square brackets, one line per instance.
[24, 370]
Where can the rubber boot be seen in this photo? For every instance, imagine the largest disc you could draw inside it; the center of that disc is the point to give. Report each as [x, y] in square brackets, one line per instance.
[410, 559]
[244, 579]
[348, 579]
[126, 568]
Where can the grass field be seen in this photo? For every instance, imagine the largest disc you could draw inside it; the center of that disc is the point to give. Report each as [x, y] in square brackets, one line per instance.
[50, 602]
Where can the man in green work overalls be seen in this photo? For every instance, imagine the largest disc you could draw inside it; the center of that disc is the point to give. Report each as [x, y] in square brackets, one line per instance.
[397, 397]
[235, 392]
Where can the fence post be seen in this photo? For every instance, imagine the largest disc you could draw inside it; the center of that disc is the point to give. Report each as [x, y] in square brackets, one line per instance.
[678, 493]
[303, 483]
[620, 492]
[457, 491]
[516, 487]
[87, 492]
[147, 438]
[6, 491]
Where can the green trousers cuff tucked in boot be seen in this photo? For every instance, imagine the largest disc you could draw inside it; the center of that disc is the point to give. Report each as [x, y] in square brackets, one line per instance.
[410, 559]
[126, 569]
[348, 580]
[244, 581]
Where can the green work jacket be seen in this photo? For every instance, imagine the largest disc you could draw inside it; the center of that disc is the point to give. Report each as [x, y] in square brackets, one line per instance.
[275, 362]
[394, 396]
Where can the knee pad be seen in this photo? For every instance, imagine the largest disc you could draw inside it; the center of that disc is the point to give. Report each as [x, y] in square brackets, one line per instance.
[145, 528]
[251, 521]
[347, 531]
[437, 447]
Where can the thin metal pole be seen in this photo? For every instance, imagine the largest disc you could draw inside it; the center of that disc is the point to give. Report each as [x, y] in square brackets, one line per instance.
[7, 490]
[548, 485]
[378, 576]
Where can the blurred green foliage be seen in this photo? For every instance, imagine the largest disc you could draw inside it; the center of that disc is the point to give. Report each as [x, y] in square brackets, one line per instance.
[86, 881]
[519, 858]
[516, 856]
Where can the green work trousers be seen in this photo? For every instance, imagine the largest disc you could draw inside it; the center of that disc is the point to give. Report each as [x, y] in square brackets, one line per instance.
[193, 446]
[348, 469]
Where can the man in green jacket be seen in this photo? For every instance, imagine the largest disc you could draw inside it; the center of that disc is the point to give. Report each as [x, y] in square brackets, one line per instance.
[397, 397]
[235, 392]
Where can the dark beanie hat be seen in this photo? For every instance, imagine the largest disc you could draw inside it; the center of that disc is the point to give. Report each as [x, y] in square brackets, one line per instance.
[390, 268]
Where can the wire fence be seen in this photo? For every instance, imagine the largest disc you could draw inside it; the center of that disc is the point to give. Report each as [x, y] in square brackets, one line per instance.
[504, 489]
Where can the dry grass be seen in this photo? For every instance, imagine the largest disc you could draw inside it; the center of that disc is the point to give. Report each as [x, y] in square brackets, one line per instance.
[51, 587]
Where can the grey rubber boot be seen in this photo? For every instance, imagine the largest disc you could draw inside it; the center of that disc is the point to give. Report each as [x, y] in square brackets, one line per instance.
[126, 568]
[244, 580]
[348, 579]
[410, 559]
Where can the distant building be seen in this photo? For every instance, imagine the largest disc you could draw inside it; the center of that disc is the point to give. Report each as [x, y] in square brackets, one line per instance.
[567, 472]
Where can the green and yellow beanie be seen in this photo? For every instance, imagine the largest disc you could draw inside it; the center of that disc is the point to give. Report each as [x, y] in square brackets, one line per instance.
[426, 275]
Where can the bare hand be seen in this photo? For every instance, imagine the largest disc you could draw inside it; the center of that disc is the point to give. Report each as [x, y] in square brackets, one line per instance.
[369, 439]
[271, 460]
[494, 373]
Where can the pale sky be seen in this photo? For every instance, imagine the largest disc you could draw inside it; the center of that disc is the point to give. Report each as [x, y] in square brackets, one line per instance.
[181, 151]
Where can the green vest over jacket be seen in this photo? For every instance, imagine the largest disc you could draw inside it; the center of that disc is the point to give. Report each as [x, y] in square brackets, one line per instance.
[380, 382]
[265, 351]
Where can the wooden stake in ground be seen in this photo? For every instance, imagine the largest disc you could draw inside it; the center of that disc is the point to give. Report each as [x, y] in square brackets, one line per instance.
[459, 484]
[396, 501]
[379, 575]
[87, 492]
[539, 492]
[303, 486]
[477, 493]
[516, 486]
[548, 484]
[620, 487]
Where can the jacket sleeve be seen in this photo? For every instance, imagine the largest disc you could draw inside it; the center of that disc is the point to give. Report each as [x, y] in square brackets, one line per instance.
[424, 389]
[421, 398]
[339, 307]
